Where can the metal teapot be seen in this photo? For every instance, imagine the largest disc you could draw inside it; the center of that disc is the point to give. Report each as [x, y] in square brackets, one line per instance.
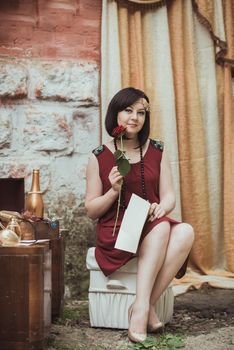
[10, 236]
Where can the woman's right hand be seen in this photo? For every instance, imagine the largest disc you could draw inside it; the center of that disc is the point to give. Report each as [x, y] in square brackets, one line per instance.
[116, 179]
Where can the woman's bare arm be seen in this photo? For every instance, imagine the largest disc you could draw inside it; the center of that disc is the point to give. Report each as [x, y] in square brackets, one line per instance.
[97, 203]
[166, 188]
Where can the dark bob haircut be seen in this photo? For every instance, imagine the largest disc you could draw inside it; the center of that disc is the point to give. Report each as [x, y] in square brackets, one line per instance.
[123, 99]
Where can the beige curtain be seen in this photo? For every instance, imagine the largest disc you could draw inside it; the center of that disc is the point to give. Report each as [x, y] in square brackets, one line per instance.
[181, 55]
[228, 137]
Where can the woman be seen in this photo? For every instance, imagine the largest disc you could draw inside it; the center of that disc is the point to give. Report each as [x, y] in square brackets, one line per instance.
[165, 243]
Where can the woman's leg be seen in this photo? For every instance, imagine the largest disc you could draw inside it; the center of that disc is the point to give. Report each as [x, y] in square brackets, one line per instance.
[150, 259]
[180, 243]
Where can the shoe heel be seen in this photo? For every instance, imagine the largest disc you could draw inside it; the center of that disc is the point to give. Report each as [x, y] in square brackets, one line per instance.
[136, 337]
[156, 327]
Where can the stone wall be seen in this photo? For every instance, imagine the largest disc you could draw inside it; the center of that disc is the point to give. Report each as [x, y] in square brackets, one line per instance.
[49, 109]
[49, 120]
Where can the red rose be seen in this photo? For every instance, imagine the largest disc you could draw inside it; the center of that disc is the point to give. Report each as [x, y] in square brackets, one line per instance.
[118, 131]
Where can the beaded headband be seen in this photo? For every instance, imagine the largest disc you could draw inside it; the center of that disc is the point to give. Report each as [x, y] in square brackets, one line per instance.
[145, 104]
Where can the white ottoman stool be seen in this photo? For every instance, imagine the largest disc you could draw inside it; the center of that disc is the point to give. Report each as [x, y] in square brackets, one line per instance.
[110, 297]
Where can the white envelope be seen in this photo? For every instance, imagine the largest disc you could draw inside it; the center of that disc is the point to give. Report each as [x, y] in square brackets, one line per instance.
[132, 224]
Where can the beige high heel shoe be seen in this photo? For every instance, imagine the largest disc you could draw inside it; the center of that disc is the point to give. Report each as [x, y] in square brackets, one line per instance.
[133, 336]
[153, 328]
[156, 326]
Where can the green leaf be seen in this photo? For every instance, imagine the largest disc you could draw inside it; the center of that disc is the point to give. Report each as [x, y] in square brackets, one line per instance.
[175, 343]
[123, 166]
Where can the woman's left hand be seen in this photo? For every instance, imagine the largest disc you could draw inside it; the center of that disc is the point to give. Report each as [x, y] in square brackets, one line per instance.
[156, 212]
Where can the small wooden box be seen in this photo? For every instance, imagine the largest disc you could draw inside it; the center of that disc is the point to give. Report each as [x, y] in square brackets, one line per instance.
[41, 229]
[25, 297]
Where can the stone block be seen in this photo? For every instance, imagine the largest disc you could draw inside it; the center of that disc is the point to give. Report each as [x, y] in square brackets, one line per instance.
[13, 80]
[68, 179]
[67, 81]
[48, 131]
[86, 129]
[6, 129]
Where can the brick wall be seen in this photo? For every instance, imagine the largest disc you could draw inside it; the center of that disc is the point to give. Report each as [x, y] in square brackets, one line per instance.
[51, 29]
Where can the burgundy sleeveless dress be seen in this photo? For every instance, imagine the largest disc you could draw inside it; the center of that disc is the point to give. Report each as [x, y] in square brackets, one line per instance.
[109, 258]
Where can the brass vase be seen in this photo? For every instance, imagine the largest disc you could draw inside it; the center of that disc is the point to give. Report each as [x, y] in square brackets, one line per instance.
[34, 200]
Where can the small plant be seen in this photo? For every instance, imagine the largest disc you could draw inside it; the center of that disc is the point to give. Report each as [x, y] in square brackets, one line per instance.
[50, 340]
[164, 342]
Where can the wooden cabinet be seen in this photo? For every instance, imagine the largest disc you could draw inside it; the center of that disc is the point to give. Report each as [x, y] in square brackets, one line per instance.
[58, 252]
[31, 278]
[25, 296]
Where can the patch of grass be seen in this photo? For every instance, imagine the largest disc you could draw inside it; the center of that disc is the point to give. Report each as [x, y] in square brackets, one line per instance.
[164, 342]
[74, 314]
[63, 346]
[55, 345]
[50, 340]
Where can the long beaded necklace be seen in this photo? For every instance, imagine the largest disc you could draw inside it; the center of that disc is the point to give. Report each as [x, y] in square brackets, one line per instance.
[142, 170]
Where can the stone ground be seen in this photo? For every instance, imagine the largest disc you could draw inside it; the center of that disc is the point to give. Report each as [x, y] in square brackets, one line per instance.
[204, 318]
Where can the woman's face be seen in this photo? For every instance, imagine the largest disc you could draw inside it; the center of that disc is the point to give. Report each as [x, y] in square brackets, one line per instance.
[133, 117]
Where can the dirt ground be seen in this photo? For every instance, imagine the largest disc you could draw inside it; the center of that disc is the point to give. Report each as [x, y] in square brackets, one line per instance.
[205, 318]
